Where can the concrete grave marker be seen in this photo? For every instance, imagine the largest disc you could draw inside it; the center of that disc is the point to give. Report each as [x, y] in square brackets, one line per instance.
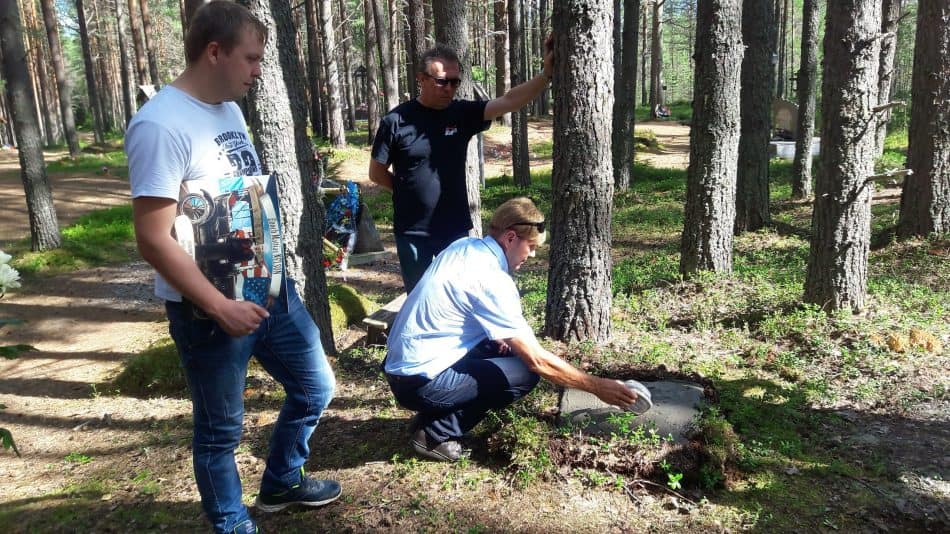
[676, 405]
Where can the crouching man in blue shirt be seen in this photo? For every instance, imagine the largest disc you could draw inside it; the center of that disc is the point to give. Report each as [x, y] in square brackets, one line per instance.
[461, 346]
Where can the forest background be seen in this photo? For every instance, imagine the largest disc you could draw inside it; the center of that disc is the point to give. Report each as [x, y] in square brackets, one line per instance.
[817, 419]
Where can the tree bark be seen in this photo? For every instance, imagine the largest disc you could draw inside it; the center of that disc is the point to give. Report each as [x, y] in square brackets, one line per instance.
[520, 168]
[713, 139]
[383, 41]
[452, 29]
[841, 220]
[925, 201]
[62, 82]
[372, 73]
[890, 14]
[103, 54]
[94, 101]
[579, 280]
[502, 69]
[807, 77]
[752, 178]
[44, 227]
[138, 42]
[347, 78]
[625, 100]
[314, 71]
[147, 33]
[656, 58]
[277, 106]
[128, 94]
[337, 137]
[39, 62]
[415, 14]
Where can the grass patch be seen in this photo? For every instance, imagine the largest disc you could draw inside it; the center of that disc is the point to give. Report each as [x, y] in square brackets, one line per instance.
[97, 238]
[154, 372]
[114, 160]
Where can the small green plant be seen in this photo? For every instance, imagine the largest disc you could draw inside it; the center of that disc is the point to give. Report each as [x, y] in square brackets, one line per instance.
[672, 477]
[77, 458]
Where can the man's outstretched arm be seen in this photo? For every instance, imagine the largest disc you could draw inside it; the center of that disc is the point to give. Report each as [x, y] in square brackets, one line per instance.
[556, 370]
[517, 97]
[153, 218]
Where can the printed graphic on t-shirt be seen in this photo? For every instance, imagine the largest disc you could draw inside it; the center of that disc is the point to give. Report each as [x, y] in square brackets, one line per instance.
[231, 228]
[451, 130]
[240, 153]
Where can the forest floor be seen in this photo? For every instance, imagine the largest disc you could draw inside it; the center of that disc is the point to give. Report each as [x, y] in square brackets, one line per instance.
[95, 458]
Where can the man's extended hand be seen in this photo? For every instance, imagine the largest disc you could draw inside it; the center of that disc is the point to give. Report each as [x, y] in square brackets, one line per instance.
[238, 317]
[614, 392]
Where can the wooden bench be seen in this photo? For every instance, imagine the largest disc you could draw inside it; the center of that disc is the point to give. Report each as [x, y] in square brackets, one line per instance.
[377, 324]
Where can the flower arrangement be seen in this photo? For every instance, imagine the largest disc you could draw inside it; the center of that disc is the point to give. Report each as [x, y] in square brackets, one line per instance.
[9, 277]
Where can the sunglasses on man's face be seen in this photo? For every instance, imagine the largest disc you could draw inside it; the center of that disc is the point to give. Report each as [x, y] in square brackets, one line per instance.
[538, 225]
[442, 82]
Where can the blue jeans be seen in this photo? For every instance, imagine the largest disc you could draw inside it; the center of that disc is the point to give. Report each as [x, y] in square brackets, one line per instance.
[288, 346]
[415, 255]
[453, 402]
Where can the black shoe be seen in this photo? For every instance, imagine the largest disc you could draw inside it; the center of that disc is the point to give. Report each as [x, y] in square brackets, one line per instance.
[447, 451]
[309, 492]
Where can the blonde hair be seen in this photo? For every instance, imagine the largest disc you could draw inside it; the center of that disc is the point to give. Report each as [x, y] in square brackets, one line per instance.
[513, 215]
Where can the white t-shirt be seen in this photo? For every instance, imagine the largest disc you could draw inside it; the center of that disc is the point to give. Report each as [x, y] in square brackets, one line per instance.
[464, 297]
[176, 137]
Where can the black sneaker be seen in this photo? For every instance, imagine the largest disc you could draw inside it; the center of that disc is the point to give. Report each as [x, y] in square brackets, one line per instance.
[308, 492]
[447, 451]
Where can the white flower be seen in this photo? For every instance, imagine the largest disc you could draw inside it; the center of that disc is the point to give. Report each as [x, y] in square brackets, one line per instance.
[4, 257]
[9, 278]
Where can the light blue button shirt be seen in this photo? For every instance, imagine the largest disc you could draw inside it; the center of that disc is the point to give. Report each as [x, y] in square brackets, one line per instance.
[464, 297]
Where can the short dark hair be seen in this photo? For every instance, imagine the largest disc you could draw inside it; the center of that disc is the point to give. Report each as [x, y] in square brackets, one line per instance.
[439, 51]
[219, 21]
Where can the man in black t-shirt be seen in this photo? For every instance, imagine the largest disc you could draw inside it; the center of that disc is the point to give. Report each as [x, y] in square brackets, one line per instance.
[425, 142]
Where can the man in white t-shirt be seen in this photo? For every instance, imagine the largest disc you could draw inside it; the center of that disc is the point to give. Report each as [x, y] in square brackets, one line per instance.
[192, 129]
[461, 346]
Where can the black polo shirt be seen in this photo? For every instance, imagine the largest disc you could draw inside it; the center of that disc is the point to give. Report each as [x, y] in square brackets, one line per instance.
[427, 149]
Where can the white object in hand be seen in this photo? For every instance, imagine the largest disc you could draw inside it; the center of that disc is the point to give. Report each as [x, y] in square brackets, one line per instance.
[644, 401]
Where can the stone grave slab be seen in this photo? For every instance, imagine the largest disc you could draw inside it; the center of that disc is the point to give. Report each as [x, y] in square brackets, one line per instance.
[676, 405]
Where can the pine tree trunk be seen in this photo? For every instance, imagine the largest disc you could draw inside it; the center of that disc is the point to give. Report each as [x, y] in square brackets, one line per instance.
[277, 106]
[625, 100]
[807, 79]
[841, 220]
[579, 280]
[925, 202]
[372, 73]
[644, 54]
[337, 137]
[520, 168]
[347, 77]
[44, 227]
[138, 42]
[656, 58]
[45, 106]
[752, 178]
[314, 70]
[545, 96]
[147, 36]
[502, 68]
[62, 82]
[713, 139]
[890, 14]
[95, 103]
[782, 18]
[128, 94]
[452, 29]
[100, 44]
[415, 13]
[383, 41]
